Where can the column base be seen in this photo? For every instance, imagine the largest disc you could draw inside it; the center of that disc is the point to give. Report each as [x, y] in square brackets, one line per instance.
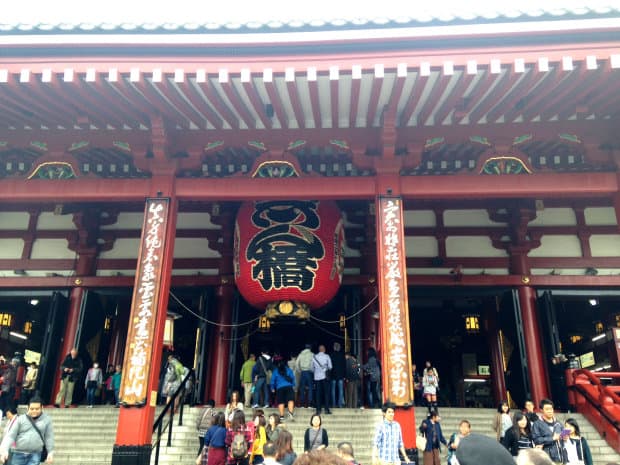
[131, 455]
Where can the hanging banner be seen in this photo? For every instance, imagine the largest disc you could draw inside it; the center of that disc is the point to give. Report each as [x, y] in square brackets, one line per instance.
[393, 304]
[139, 350]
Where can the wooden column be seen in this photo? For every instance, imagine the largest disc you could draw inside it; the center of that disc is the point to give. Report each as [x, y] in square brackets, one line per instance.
[145, 336]
[537, 373]
[394, 310]
[219, 350]
[84, 243]
[498, 382]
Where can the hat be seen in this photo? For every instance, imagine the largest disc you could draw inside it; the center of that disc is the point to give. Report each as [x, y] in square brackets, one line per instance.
[477, 449]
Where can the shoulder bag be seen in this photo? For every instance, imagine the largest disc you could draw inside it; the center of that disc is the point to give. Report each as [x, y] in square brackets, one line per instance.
[44, 450]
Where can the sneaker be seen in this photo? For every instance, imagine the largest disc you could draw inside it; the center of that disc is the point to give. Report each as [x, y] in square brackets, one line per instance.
[266, 406]
[290, 416]
[328, 412]
[255, 406]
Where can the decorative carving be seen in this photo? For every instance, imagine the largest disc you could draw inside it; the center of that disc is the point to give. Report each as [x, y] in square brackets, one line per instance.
[343, 144]
[430, 143]
[124, 146]
[480, 140]
[521, 139]
[295, 145]
[570, 138]
[213, 145]
[258, 145]
[53, 170]
[275, 169]
[78, 145]
[504, 165]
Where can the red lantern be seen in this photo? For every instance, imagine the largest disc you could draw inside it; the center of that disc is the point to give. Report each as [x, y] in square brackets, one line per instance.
[289, 251]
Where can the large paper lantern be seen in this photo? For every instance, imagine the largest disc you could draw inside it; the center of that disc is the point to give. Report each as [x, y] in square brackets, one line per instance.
[289, 254]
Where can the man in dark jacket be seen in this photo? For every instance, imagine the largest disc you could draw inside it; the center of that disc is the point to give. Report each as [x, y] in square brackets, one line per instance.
[431, 429]
[339, 370]
[71, 370]
[7, 390]
[546, 432]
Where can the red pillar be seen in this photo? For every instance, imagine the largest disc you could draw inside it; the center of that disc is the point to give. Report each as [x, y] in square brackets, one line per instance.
[84, 267]
[498, 382]
[220, 345]
[135, 424]
[536, 371]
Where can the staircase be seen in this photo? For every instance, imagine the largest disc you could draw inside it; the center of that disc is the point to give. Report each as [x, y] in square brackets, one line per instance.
[86, 436]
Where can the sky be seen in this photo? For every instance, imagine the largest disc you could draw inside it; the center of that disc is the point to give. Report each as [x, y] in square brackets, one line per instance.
[260, 11]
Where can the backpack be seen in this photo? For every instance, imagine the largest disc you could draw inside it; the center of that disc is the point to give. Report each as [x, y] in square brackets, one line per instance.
[239, 446]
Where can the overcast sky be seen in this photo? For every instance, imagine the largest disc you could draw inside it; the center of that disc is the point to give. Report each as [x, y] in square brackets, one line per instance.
[261, 11]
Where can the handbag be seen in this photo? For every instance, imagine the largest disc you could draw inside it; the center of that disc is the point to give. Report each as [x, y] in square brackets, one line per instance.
[44, 450]
[203, 456]
[420, 442]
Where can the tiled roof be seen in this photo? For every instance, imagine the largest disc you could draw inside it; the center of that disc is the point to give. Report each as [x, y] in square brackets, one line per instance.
[418, 18]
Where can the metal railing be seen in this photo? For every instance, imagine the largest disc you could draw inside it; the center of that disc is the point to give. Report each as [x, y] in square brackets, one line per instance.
[160, 426]
[598, 402]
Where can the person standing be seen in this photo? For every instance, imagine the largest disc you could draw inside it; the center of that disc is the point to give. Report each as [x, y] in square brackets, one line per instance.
[388, 440]
[417, 385]
[238, 426]
[546, 432]
[529, 411]
[116, 385]
[373, 370]
[215, 440]
[316, 436]
[282, 382]
[431, 429]
[28, 436]
[519, 435]
[262, 376]
[269, 453]
[503, 420]
[232, 406]
[321, 364]
[575, 449]
[303, 364]
[284, 444]
[245, 377]
[7, 390]
[430, 386]
[204, 421]
[71, 370]
[273, 428]
[109, 390]
[353, 372]
[455, 440]
[344, 450]
[339, 367]
[172, 378]
[93, 381]
[30, 383]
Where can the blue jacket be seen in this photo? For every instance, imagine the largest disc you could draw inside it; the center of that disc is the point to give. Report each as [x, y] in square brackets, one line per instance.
[434, 435]
[278, 381]
[542, 434]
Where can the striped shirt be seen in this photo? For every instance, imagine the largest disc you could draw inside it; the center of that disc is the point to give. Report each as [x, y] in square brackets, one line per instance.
[388, 440]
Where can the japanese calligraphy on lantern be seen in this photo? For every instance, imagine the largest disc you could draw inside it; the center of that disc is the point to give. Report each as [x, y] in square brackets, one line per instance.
[138, 353]
[287, 251]
[393, 305]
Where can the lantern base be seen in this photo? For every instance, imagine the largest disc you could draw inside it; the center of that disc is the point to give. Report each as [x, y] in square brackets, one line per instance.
[287, 309]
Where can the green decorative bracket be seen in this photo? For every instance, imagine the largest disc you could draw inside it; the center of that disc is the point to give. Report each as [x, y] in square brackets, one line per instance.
[504, 165]
[430, 143]
[295, 145]
[78, 145]
[213, 145]
[570, 138]
[124, 146]
[520, 139]
[340, 143]
[258, 145]
[3, 143]
[39, 145]
[53, 170]
[480, 140]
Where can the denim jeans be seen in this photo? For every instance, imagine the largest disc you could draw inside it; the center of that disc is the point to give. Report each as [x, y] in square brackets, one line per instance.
[306, 381]
[337, 383]
[19, 458]
[90, 395]
[261, 385]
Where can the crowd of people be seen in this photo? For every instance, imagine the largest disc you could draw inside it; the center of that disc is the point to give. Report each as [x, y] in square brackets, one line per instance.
[318, 380]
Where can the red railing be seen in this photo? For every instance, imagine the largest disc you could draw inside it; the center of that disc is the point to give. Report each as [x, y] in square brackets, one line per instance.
[599, 403]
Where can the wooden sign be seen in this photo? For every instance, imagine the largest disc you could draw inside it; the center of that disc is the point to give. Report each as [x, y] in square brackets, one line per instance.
[393, 304]
[139, 351]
